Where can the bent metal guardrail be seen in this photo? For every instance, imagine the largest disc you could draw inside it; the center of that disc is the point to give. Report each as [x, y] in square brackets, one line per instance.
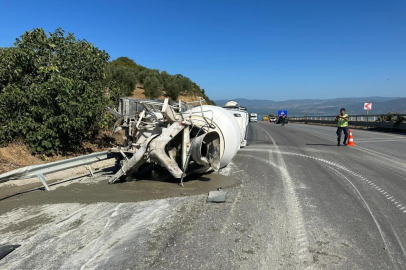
[43, 169]
[385, 121]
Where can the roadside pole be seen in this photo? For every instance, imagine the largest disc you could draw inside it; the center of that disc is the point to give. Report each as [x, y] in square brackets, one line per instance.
[367, 108]
[367, 120]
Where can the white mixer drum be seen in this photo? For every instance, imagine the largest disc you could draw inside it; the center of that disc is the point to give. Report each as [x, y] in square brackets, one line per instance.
[227, 126]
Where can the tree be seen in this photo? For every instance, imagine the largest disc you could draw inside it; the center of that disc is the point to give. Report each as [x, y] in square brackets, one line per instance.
[124, 79]
[143, 74]
[124, 61]
[185, 85]
[165, 78]
[172, 89]
[52, 91]
[152, 87]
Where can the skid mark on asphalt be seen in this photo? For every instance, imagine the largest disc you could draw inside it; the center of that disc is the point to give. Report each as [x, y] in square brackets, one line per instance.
[332, 166]
[293, 203]
[295, 213]
[395, 202]
[382, 234]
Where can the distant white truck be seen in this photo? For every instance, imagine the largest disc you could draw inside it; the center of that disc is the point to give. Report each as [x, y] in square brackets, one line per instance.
[253, 117]
[272, 119]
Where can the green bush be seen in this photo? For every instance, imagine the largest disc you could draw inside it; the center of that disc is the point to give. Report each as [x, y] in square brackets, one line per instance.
[52, 91]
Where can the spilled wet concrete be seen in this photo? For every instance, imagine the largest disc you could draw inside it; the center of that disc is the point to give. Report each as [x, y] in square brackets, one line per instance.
[85, 223]
[93, 190]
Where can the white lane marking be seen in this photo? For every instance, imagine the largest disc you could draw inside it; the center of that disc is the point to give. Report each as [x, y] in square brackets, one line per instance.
[363, 131]
[392, 160]
[387, 135]
[387, 195]
[374, 141]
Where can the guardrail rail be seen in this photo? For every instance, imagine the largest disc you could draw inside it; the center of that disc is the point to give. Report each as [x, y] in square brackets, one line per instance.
[43, 169]
[384, 121]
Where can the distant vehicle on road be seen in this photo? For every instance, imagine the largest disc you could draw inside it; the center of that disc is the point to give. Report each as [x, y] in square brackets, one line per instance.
[278, 121]
[253, 117]
[265, 118]
[272, 119]
[282, 116]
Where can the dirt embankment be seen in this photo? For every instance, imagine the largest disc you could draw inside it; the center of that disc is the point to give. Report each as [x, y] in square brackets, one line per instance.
[17, 154]
[139, 93]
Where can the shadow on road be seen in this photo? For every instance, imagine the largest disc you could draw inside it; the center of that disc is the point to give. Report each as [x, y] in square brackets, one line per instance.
[259, 142]
[321, 144]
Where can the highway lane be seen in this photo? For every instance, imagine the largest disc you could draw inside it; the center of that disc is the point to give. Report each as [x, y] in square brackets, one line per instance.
[303, 203]
[358, 194]
[389, 144]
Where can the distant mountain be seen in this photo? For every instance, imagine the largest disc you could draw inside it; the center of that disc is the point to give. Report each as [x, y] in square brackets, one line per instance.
[322, 106]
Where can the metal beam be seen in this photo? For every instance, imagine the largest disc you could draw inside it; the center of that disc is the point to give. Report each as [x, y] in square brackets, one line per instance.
[52, 167]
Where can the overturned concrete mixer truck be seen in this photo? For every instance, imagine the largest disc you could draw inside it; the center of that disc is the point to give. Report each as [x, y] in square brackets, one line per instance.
[183, 138]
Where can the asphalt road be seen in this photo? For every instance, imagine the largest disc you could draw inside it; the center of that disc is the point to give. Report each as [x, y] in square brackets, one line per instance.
[303, 203]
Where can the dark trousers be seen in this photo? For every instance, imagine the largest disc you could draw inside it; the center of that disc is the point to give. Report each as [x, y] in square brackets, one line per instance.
[339, 131]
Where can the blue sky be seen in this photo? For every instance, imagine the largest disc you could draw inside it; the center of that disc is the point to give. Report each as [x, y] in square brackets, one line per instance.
[275, 50]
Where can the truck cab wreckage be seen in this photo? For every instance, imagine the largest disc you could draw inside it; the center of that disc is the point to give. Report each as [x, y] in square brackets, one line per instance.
[184, 138]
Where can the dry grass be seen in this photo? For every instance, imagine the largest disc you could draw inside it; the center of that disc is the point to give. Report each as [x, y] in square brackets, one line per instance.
[16, 155]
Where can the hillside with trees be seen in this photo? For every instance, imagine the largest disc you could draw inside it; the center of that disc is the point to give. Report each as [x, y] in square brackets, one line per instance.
[127, 75]
[54, 90]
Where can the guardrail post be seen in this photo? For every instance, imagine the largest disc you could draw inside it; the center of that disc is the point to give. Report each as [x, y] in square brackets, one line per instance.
[43, 180]
[90, 170]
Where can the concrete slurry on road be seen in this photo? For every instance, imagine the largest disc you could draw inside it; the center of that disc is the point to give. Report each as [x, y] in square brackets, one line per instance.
[295, 201]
